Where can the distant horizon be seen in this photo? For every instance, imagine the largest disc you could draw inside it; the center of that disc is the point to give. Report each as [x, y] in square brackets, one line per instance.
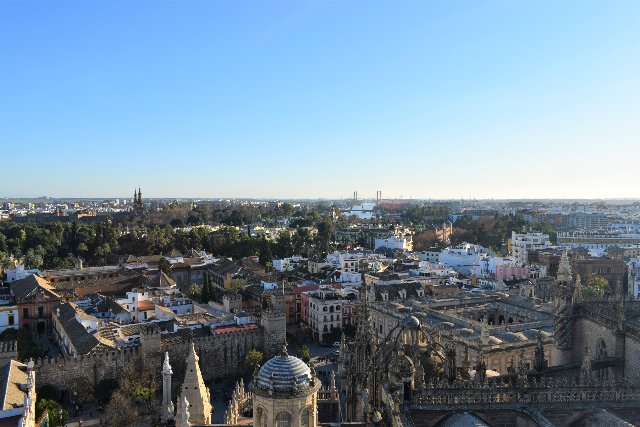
[343, 199]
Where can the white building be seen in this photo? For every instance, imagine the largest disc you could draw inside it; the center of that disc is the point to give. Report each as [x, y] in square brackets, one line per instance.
[349, 277]
[321, 311]
[394, 242]
[521, 244]
[139, 305]
[287, 264]
[8, 317]
[431, 256]
[466, 259]
[20, 273]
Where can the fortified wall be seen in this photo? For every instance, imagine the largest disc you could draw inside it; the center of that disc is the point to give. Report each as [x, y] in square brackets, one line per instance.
[220, 356]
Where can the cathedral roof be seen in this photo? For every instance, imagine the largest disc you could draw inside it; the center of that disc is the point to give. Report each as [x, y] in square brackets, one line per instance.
[286, 374]
[161, 280]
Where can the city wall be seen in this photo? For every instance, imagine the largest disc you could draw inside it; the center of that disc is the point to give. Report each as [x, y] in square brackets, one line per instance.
[220, 356]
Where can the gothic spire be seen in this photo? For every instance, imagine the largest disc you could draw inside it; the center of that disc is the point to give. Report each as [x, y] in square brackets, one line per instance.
[564, 269]
[577, 290]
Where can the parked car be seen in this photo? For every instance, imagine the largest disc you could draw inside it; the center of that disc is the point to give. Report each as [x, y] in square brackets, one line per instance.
[336, 344]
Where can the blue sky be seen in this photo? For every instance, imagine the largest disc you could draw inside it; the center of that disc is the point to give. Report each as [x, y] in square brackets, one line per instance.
[504, 99]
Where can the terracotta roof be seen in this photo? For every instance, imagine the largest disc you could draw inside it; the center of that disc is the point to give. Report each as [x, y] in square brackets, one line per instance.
[30, 286]
[82, 271]
[103, 304]
[161, 280]
[224, 266]
[235, 328]
[136, 328]
[173, 254]
[65, 311]
[126, 279]
[145, 305]
[13, 378]
[148, 259]
[82, 340]
[184, 334]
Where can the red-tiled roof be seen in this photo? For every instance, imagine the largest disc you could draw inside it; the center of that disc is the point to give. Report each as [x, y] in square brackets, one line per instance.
[235, 328]
[145, 305]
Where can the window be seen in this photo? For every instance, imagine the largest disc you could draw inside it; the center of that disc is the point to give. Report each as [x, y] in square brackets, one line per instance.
[40, 312]
[261, 417]
[11, 319]
[283, 419]
[25, 313]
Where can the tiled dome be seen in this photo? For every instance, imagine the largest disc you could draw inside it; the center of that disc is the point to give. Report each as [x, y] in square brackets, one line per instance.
[286, 373]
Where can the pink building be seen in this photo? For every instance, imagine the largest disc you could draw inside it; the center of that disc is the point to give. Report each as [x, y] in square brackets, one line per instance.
[506, 272]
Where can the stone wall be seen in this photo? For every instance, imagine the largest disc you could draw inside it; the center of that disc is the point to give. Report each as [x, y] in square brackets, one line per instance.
[220, 356]
[80, 374]
[632, 358]
[587, 333]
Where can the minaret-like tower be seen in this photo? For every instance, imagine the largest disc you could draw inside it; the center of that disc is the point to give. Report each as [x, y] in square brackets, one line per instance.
[167, 403]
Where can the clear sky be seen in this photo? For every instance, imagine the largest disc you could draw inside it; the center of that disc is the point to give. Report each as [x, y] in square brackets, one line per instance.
[448, 99]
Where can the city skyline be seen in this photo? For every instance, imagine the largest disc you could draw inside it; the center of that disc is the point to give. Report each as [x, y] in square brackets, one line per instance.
[504, 100]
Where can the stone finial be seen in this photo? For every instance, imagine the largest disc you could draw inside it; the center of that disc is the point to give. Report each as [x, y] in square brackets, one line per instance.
[484, 332]
[184, 413]
[577, 291]
[284, 352]
[586, 371]
[166, 367]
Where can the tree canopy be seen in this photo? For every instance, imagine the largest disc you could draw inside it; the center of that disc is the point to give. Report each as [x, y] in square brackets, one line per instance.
[595, 288]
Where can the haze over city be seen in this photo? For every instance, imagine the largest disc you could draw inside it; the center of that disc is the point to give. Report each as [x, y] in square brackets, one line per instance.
[308, 99]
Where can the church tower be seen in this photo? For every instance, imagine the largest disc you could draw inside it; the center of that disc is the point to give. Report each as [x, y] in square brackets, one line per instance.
[138, 206]
[195, 392]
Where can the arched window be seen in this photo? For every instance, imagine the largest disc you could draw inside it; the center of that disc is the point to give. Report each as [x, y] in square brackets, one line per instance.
[283, 419]
[261, 417]
[304, 417]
